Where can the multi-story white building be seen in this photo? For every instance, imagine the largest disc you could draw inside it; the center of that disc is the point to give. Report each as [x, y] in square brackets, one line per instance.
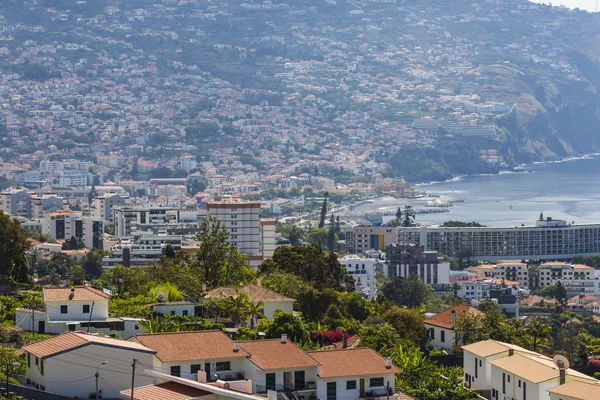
[547, 240]
[551, 272]
[65, 224]
[127, 217]
[267, 237]
[363, 271]
[141, 250]
[405, 260]
[16, 201]
[74, 178]
[103, 204]
[45, 203]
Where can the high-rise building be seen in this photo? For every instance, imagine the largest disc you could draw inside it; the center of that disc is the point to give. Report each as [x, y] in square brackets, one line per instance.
[405, 260]
[367, 237]
[363, 270]
[65, 224]
[242, 220]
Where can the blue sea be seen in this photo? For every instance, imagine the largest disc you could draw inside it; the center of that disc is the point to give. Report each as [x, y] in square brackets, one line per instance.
[568, 190]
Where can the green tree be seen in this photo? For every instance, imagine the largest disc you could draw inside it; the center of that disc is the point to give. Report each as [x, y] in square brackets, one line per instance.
[123, 281]
[378, 338]
[560, 294]
[237, 307]
[318, 237]
[468, 328]
[399, 214]
[409, 324]
[410, 291]
[455, 289]
[170, 291]
[284, 283]
[217, 261]
[538, 332]
[409, 216]
[323, 213]
[287, 323]
[92, 264]
[255, 312]
[333, 317]
[13, 245]
[331, 234]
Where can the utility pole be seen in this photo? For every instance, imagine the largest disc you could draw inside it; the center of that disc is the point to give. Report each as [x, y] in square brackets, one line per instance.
[133, 377]
[97, 375]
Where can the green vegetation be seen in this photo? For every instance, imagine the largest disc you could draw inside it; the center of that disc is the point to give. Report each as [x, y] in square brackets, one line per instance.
[460, 224]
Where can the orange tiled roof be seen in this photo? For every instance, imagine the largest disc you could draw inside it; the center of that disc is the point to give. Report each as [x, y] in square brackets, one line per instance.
[351, 362]
[444, 319]
[273, 354]
[73, 340]
[84, 293]
[196, 345]
[165, 391]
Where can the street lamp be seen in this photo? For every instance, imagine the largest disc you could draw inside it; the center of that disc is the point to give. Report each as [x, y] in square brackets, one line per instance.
[13, 364]
[97, 375]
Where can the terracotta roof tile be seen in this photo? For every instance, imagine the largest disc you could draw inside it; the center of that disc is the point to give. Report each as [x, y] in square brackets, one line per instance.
[255, 293]
[351, 362]
[273, 354]
[578, 390]
[444, 319]
[85, 293]
[165, 391]
[196, 345]
[73, 340]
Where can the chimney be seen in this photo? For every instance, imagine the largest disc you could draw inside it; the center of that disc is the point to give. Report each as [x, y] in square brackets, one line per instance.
[388, 363]
[284, 338]
[72, 294]
[236, 346]
[511, 352]
[344, 341]
[453, 318]
[563, 376]
[486, 336]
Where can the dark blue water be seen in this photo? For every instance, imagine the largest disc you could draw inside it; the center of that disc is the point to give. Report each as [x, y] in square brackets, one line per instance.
[567, 190]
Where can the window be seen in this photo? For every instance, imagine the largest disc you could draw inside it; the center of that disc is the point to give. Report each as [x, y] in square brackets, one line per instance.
[270, 379]
[508, 378]
[443, 337]
[519, 383]
[86, 308]
[524, 390]
[376, 382]
[63, 309]
[299, 379]
[223, 366]
[176, 370]
[350, 385]
[184, 313]
[37, 361]
[331, 390]
[28, 359]
[503, 383]
[476, 369]
[194, 368]
[42, 367]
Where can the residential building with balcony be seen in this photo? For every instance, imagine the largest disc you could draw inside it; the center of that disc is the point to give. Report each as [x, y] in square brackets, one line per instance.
[242, 220]
[65, 224]
[16, 201]
[405, 260]
[103, 204]
[363, 271]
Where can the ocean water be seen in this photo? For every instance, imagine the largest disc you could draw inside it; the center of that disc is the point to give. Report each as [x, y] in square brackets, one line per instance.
[568, 190]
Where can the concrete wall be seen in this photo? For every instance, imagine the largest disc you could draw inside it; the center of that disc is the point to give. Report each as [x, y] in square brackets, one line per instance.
[436, 342]
[177, 308]
[343, 394]
[258, 376]
[75, 310]
[271, 306]
[237, 365]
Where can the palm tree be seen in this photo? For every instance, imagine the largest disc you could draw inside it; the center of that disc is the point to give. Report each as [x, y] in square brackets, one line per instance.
[155, 325]
[538, 332]
[237, 307]
[455, 289]
[255, 311]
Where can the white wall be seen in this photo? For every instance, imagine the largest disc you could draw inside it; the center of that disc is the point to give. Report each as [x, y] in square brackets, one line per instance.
[484, 379]
[177, 308]
[534, 391]
[258, 376]
[343, 394]
[237, 365]
[436, 342]
[75, 310]
[72, 373]
[271, 306]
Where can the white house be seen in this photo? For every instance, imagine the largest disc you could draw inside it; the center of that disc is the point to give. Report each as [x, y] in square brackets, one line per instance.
[529, 377]
[349, 374]
[184, 354]
[441, 327]
[72, 309]
[278, 364]
[183, 308]
[271, 300]
[66, 364]
[476, 359]
[575, 390]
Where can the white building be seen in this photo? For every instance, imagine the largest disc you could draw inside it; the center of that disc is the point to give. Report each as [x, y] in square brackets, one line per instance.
[267, 238]
[441, 327]
[183, 308]
[575, 390]
[127, 218]
[45, 203]
[74, 178]
[71, 309]
[102, 205]
[363, 271]
[16, 201]
[66, 364]
[65, 224]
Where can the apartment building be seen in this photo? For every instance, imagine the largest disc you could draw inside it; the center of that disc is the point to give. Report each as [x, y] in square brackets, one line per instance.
[128, 218]
[548, 240]
[65, 224]
[103, 204]
[16, 201]
[143, 249]
[405, 260]
[551, 272]
[44, 203]
[363, 271]
[366, 237]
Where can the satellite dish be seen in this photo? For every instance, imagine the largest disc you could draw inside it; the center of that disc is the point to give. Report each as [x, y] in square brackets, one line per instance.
[162, 297]
[561, 362]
